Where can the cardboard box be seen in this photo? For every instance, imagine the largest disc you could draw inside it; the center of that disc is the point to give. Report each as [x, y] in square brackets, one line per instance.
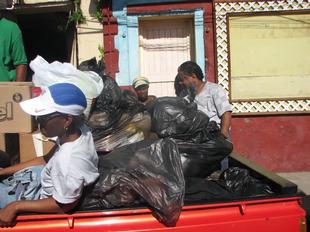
[32, 145]
[2, 142]
[12, 118]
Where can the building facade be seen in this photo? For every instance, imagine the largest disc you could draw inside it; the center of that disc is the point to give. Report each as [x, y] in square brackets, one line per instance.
[256, 50]
[50, 29]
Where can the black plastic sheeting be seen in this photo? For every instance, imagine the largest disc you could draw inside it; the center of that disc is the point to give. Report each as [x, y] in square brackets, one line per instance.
[148, 171]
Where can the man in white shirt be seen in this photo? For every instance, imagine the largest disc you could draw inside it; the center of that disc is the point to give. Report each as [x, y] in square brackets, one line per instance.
[210, 97]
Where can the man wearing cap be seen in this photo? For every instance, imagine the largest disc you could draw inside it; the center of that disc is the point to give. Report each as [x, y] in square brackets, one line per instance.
[54, 182]
[141, 87]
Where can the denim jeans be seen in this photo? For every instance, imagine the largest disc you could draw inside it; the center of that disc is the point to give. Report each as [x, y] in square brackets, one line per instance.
[23, 185]
[225, 161]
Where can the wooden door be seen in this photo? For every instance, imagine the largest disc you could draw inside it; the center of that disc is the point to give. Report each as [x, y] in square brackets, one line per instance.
[164, 45]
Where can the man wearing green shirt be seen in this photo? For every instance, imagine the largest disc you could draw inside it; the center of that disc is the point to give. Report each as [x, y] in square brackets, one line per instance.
[13, 60]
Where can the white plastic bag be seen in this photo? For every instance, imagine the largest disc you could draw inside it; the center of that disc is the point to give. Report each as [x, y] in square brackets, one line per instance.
[46, 74]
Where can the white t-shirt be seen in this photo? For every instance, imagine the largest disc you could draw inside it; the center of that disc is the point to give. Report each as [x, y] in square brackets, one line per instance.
[213, 101]
[73, 166]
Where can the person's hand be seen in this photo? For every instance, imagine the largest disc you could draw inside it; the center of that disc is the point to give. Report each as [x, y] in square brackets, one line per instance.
[8, 215]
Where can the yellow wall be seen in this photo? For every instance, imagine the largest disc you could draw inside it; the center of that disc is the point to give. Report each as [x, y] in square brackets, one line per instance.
[89, 34]
[270, 56]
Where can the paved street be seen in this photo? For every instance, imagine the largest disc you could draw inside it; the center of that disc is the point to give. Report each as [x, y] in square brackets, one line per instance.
[302, 179]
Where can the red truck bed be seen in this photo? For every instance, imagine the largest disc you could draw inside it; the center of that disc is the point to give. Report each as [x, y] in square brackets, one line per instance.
[281, 212]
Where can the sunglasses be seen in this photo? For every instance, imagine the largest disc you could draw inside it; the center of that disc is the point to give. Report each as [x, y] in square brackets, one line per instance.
[42, 120]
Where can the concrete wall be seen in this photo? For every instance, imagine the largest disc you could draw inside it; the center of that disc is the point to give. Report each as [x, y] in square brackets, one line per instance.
[280, 143]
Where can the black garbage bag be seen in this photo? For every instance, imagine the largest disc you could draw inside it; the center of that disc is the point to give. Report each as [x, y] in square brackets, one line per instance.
[130, 103]
[113, 112]
[205, 189]
[106, 112]
[133, 126]
[149, 171]
[135, 131]
[89, 65]
[113, 109]
[239, 181]
[177, 118]
[200, 160]
[110, 97]
[93, 65]
[200, 142]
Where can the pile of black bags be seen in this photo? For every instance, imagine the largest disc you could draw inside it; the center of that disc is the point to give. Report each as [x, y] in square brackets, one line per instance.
[154, 173]
[148, 172]
[200, 143]
[114, 113]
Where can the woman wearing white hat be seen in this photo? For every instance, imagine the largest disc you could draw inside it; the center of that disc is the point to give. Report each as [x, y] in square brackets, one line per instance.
[56, 185]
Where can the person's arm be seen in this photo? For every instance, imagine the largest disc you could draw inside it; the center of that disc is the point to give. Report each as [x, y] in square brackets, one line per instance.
[21, 72]
[18, 54]
[36, 161]
[15, 168]
[225, 123]
[48, 205]
[224, 109]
